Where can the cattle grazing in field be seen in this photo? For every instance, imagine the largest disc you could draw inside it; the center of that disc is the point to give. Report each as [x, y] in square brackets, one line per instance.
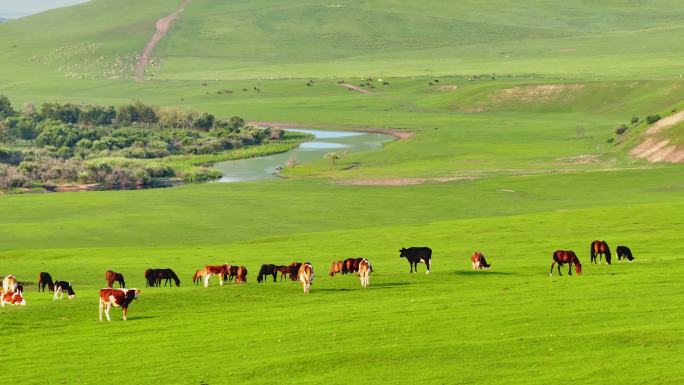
[167, 275]
[561, 257]
[9, 284]
[241, 275]
[365, 269]
[112, 276]
[12, 298]
[336, 268]
[623, 252]
[117, 298]
[266, 270]
[45, 279]
[416, 255]
[218, 270]
[479, 262]
[284, 271]
[197, 277]
[62, 287]
[306, 276]
[294, 271]
[601, 249]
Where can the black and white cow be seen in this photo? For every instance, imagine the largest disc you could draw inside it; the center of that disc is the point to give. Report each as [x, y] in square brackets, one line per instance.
[62, 287]
[416, 255]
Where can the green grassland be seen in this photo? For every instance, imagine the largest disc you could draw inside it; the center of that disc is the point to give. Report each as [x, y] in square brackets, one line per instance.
[528, 155]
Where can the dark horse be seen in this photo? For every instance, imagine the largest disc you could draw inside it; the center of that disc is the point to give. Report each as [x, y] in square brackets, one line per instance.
[267, 269]
[45, 279]
[150, 278]
[294, 270]
[155, 276]
[623, 252]
[561, 257]
[600, 248]
[112, 276]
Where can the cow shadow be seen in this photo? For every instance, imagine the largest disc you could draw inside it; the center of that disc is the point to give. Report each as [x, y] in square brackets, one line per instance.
[468, 273]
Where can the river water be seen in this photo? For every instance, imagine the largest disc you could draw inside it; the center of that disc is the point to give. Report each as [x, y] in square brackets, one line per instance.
[12, 9]
[251, 169]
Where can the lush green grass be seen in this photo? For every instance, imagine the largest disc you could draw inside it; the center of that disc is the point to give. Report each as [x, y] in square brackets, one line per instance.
[526, 139]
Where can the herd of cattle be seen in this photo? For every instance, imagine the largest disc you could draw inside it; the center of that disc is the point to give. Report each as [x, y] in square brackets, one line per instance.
[12, 290]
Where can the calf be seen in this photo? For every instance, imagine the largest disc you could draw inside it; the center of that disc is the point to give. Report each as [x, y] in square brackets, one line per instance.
[416, 255]
[117, 298]
[61, 287]
[479, 262]
[45, 279]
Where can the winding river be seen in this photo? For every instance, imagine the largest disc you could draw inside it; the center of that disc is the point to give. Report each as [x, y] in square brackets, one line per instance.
[265, 167]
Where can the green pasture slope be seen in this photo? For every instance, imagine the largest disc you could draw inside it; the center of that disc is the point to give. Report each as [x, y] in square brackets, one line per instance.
[525, 164]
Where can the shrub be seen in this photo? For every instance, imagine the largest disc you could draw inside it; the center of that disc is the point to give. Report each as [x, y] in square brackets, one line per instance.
[10, 156]
[652, 118]
[621, 130]
[635, 120]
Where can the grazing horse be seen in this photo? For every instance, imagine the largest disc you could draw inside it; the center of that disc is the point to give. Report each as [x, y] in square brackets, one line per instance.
[416, 255]
[365, 269]
[167, 275]
[45, 279]
[218, 270]
[600, 248]
[267, 269]
[306, 276]
[294, 270]
[62, 287]
[336, 268]
[112, 276]
[9, 284]
[231, 272]
[479, 262]
[623, 252]
[284, 271]
[197, 277]
[117, 298]
[561, 257]
[150, 278]
[241, 276]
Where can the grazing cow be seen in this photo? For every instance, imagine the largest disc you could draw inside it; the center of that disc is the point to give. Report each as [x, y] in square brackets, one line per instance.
[117, 298]
[45, 279]
[306, 276]
[197, 277]
[561, 257]
[416, 255]
[336, 268]
[218, 270]
[478, 261]
[167, 275]
[112, 276]
[267, 269]
[62, 287]
[365, 269]
[9, 284]
[294, 270]
[12, 298]
[623, 252]
[600, 248]
[241, 276]
[284, 271]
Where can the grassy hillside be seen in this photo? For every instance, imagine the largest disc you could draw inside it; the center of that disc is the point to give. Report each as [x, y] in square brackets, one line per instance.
[515, 166]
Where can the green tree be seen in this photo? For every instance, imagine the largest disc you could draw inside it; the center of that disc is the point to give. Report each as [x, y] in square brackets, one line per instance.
[5, 107]
[6, 133]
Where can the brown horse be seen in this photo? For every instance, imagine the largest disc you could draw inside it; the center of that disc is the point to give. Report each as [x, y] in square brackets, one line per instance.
[336, 268]
[600, 248]
[45, 279]
[218, 270]
[232, 272]
[241, 275]
[561, 257]
[284, 271]
[197, 277]
[112, 276]
[351, 265]
[294, 270]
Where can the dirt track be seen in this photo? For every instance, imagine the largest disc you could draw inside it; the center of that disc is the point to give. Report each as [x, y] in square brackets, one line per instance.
[163, 25]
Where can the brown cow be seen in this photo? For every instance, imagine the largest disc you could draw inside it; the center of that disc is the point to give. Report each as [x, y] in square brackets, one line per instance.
[306, 276]
[218, 270]
[336, 268]
[117, 298]
[365, 269]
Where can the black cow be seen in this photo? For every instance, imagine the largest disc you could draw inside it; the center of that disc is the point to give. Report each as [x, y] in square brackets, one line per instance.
[61, 287]
[416, 255]
[623, 252]
[267, 269]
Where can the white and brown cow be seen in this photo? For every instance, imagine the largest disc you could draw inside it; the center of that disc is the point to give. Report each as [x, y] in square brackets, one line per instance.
[117, 298]
[365, 269]
[306, 276]
[219, 270]
[9, 284]
[12, 298]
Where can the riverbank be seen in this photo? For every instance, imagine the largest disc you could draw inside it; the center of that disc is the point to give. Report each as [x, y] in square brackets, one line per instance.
[397, 133]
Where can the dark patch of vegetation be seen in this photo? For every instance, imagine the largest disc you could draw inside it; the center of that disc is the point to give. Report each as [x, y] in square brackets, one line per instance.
[652, 118]
[621, 129]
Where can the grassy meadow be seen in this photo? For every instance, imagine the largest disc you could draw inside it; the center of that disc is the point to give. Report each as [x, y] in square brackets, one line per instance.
[515, 165]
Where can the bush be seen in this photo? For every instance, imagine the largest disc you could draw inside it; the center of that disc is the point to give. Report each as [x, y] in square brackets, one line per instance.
[621, 130]
[635, 120]
[652, 118]
[10, 156]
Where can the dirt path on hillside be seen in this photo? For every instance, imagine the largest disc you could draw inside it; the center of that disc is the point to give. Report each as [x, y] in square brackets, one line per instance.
[163, 25]
[656, 149]
[399, 134]
[355, 88]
